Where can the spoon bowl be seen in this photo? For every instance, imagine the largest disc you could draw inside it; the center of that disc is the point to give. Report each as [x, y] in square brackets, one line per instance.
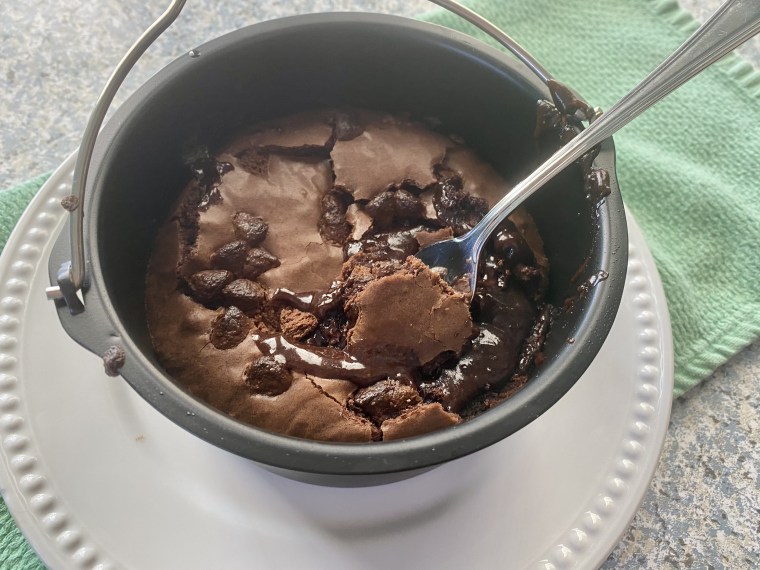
[453, 258]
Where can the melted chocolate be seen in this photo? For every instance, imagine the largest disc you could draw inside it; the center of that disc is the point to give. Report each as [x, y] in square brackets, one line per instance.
[598, 183]
[208, 173]
[535, 341]
[568, 102]
[504, 317]
[592, 282]
[548, 118]
[560, 120]
[489, 360]
[455, 206]
[318, 303]
[328, 362]
[502, 307]
[584, 288]
[390, 245]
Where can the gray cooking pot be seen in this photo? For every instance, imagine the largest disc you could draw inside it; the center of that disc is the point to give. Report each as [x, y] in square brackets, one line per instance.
[333, 60]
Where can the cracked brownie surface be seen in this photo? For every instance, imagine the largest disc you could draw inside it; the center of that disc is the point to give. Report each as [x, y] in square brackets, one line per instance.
[283, 289]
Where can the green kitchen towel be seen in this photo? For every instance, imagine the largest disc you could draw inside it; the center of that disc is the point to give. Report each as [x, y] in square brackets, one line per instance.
[15, 552]
[688, 169]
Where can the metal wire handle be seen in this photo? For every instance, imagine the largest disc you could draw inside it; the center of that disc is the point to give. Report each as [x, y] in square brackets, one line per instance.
[71, 275]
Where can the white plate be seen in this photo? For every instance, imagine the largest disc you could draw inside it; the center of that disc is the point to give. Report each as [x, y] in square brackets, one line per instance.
[97, 479]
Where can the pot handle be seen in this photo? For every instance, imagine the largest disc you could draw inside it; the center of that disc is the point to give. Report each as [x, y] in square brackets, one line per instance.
[71, 274]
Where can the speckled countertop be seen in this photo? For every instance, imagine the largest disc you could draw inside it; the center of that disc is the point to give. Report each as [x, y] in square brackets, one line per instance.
[703, 507]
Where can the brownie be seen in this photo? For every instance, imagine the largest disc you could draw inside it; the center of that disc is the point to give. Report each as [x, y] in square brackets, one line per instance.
[284, 291]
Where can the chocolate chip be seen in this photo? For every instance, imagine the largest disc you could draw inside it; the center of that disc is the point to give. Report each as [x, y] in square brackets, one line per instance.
[587, 158]
[385, 246]
[259, 261]
[382, 209]
[223, 167]
[209, 198]
[386, 399]
[449, 192]
[567, 133]
[408, 206]
[250, 228]
[230, 256]
[598, 183]
[246, 294]
[229, 329]
[70, 203]
[548, 118]
[331, 331]
[510, 246]
[529, 277]
[208, 171]
[333, 226]
[113, 360]
[267, 376]
[347, 127]
[395, 208]
[455, 206]
[206, 285]
[254, 161]
[296, 324]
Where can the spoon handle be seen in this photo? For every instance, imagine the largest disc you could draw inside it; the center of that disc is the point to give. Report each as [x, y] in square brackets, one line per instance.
[732, 24]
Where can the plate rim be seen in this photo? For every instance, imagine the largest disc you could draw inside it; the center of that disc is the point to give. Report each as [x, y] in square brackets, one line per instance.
[31, 501]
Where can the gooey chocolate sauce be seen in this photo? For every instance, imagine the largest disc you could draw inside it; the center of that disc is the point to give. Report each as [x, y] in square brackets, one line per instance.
[329, 362]
[318, 303]
[503, 309]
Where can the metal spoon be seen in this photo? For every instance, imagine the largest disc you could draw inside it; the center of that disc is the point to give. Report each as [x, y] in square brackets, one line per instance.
[733, 23]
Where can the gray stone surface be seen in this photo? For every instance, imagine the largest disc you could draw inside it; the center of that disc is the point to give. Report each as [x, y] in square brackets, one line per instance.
[703, 506]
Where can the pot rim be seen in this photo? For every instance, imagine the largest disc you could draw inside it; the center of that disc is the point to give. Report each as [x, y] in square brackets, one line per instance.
[546, 386]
